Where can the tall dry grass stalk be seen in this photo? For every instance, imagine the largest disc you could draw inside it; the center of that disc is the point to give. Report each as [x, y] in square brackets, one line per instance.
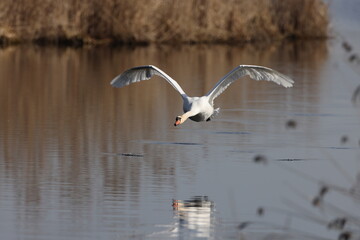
[169, 21]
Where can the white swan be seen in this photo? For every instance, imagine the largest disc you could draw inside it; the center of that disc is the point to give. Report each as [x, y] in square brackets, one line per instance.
[201, 108]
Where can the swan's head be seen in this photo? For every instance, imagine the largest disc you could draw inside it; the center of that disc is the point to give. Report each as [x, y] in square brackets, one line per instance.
[178, 120]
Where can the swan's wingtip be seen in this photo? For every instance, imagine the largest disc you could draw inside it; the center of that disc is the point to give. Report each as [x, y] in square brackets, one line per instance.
[115, 82]
[112, 83]
[288, 85]
[292, 83]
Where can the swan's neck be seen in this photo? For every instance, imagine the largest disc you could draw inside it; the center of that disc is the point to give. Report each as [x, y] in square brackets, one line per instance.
[186, 115]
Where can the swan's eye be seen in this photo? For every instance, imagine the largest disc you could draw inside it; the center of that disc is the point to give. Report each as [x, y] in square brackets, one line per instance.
[178, 118]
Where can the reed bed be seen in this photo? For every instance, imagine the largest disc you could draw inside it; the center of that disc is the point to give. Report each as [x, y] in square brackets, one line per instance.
[160, 21]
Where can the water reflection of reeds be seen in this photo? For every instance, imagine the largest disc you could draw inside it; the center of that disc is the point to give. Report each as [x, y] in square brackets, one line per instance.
[60, 99]
[60, 117]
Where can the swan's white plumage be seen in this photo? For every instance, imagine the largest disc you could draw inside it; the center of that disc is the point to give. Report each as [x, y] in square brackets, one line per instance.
[141, 73]
[201, 108]
[254, 72]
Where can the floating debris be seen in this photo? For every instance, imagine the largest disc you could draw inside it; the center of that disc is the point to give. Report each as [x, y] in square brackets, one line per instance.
[291, 159]
[317, 201]
[260, 211]
[291, 124]
[125, 154]
[187, 143]
[260, 159]
[243, 225]
[344, 139]
[347, 46]
[337, 223]
[179, 143]
[345, 235]
[130, 155]
[323, 191]
[353, 57]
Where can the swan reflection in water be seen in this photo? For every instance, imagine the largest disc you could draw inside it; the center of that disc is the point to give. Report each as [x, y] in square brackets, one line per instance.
[194, 217]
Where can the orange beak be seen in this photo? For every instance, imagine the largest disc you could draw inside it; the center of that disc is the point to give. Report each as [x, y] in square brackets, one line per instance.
[177, 123]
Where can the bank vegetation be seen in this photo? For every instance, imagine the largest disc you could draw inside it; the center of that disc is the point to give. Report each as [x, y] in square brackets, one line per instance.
[160, 21]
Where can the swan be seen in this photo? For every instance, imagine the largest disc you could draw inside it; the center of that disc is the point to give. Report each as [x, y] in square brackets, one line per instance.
[201, 108]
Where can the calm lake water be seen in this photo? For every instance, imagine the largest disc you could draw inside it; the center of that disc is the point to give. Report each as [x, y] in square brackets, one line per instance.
[82, 160]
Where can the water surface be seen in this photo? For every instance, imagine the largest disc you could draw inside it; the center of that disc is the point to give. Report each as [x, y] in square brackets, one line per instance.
[82, 160]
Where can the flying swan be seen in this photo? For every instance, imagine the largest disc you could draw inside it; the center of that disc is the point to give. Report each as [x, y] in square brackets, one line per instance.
[201, 108]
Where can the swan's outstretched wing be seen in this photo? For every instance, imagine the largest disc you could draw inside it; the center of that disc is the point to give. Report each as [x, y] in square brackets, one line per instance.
[254, 72]
[140, 73]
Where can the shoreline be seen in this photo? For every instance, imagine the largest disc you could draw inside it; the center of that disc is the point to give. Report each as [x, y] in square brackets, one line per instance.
[79, 23]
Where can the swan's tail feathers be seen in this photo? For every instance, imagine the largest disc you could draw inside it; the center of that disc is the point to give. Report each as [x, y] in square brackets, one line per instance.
[216, 112]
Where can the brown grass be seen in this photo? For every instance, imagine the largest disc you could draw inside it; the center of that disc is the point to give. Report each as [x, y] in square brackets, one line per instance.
[136, 21]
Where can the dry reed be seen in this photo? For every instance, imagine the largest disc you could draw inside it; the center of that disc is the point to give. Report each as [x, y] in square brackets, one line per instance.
[165, 21]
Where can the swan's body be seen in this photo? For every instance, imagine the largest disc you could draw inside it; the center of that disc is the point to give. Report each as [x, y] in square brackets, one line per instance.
[201, 108]
[198, 108]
